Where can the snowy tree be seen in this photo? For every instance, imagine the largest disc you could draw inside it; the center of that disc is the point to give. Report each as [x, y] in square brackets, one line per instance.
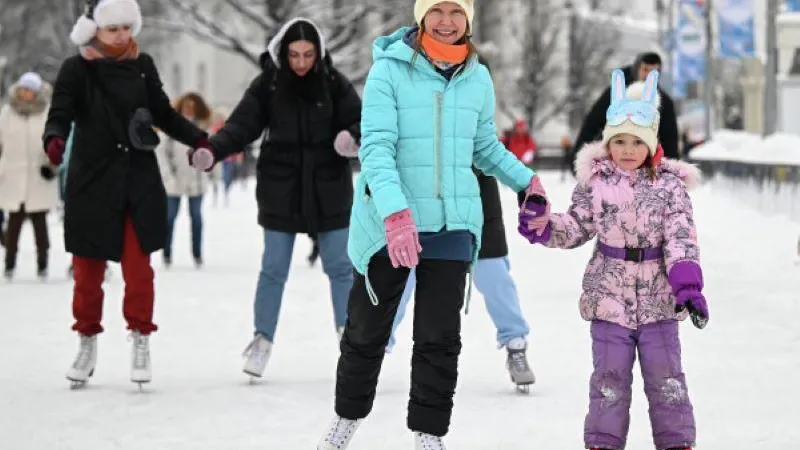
[242, 26]
[547, 60]
[34, 35]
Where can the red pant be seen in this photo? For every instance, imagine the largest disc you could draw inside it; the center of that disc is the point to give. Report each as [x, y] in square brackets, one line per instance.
[87, 301]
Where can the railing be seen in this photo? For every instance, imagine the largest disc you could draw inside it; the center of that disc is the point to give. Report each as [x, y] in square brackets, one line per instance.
[762, 174]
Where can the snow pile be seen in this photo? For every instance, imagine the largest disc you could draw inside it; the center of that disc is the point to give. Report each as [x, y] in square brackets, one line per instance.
[739, 146]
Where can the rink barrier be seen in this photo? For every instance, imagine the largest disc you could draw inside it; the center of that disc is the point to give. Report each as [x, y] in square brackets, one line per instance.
[771, 188]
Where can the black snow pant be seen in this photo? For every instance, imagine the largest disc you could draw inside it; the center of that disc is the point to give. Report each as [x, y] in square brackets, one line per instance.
[437, 341]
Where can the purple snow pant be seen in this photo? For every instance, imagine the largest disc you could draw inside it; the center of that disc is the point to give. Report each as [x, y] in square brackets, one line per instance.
[614, 352]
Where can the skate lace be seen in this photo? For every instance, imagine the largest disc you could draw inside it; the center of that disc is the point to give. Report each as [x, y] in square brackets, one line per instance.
[431, 442]
[519, 361]
[340, 431]
[84, 354]
[141, 351]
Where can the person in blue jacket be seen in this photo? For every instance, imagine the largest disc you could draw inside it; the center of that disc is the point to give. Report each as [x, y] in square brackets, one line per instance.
[427, 117]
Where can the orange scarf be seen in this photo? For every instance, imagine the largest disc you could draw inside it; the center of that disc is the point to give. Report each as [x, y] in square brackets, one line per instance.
[437, 51]
[99, 50]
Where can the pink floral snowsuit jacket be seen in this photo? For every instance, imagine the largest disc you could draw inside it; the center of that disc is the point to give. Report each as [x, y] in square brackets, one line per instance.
[629, 209]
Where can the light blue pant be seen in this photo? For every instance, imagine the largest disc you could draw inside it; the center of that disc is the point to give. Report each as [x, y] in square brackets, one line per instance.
[278, 247]
[493, 281]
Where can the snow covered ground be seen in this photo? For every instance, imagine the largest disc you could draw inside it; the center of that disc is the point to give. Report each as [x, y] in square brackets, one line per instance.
[742, 370]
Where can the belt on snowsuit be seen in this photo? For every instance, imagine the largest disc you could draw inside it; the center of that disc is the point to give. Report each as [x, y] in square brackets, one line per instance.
[630, 253]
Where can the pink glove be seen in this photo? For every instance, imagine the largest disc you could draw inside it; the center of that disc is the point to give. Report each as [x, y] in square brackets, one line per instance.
[535, 221]
[201, 157]
[345, 145]
[402, 239]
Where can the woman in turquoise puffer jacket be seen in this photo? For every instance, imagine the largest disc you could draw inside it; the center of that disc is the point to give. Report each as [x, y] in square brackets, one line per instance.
[427, 118]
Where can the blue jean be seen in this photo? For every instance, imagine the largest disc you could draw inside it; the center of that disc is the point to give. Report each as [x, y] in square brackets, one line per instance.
[494, 282]
[278, 247]
[228, 168]
[196, 215]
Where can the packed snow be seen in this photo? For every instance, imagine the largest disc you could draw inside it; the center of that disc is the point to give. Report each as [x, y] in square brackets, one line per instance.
[742, 370]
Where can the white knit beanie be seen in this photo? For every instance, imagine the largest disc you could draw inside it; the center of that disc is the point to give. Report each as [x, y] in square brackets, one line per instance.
[31, 81]
[107, 13]
[421, 8]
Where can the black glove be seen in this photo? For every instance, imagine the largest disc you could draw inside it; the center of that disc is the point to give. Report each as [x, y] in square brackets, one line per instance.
[47, 172]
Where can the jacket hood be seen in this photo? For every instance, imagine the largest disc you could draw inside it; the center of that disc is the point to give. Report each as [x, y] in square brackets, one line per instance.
[274, 47]
[39, 104]
[593, 159]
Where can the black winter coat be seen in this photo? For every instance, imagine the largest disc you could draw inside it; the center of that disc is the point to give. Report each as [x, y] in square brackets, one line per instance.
[303, 185]
[107, 178]
[595, 121]
[493, 240]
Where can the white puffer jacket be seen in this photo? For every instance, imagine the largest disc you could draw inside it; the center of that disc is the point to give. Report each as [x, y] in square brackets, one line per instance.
[22, 157]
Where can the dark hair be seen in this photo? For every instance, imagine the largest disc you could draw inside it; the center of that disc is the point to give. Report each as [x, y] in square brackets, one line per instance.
[649, 58]
[299, 31]
[467, 39]
[201, 109]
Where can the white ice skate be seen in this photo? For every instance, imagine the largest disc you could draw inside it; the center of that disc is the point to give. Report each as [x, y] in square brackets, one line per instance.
[141, 372]
[257, 354]
[339, 433]
[425, 441]
[83, 367]
[517, 364]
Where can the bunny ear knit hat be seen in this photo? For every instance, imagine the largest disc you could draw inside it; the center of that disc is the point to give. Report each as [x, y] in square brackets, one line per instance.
[421, 8]
[105, 13]
[634, 110]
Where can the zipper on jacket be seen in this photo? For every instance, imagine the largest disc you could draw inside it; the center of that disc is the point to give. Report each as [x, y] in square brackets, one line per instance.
[437, 143]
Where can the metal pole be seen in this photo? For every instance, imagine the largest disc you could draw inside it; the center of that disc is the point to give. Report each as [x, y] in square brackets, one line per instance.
[671, 47]
[771, 71]
[708, 87]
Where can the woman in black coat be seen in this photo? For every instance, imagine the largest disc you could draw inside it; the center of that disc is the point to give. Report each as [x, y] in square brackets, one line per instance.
[311, 114]
[115, 203]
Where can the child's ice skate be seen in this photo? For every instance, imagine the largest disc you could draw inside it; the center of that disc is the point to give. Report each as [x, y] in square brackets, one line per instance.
[425, 441]
[141, 372]
[338, 434]
[517, 364]
[257, 354]
[83, 366]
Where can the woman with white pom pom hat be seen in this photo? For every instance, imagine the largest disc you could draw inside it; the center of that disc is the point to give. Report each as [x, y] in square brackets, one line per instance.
[115, 204]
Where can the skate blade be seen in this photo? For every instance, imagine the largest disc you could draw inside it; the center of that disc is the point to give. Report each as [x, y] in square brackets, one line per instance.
[523, 389]
[79, 384]
[76, 385]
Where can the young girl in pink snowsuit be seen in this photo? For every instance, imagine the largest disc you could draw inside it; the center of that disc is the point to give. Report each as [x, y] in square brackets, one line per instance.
[644, 276]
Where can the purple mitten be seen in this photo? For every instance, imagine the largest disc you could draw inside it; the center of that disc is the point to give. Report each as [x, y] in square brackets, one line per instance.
[686, 280]
[534, 224]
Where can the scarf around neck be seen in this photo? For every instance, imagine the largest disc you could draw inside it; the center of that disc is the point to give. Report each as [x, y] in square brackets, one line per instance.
[97, 50]
[444, 54]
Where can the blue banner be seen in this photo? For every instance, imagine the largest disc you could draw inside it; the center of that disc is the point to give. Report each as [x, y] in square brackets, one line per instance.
[793, 5]
[690, 46]
[736, 29]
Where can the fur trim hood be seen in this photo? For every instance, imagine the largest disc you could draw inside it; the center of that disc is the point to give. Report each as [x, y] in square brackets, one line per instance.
[107, 13]
[274, 47]
[593, 159]
[39, 104]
